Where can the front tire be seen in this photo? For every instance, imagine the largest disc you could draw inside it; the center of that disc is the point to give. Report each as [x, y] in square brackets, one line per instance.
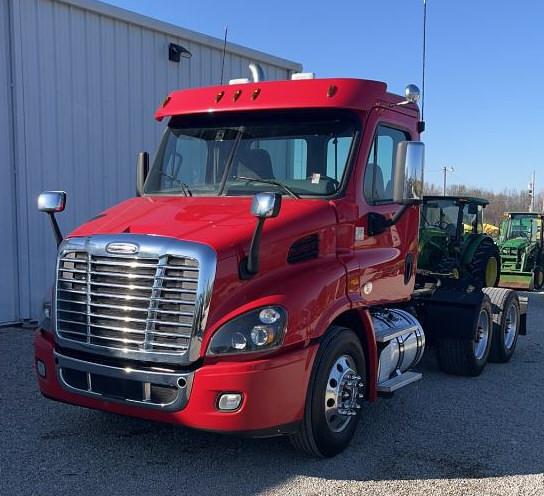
[538, 278]
[467, 357]
[334, 397]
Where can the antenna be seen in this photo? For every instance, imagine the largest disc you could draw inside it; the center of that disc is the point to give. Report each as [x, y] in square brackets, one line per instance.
[224, 50]
[424, 59]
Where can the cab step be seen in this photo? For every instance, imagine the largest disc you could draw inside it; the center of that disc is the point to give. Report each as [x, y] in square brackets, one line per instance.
[391, 385]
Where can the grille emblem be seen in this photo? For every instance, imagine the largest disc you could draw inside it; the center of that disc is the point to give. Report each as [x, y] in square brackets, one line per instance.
[123, 248]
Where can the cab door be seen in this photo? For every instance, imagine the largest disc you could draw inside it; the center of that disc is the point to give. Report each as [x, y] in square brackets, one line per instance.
[387, 258]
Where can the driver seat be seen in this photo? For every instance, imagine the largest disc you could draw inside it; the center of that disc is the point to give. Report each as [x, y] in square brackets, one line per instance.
[255, 163]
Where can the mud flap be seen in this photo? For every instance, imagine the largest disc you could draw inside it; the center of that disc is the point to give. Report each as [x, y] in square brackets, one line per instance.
[452, 313]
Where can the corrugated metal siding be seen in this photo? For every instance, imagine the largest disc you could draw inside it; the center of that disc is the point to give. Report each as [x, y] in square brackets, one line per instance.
[8, 263]
[88, 79]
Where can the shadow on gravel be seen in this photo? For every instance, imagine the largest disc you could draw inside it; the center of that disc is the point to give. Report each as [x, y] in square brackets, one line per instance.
[440, 428]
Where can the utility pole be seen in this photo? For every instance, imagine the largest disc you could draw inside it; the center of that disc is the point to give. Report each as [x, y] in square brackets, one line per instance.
[445, 171]
[532, 193]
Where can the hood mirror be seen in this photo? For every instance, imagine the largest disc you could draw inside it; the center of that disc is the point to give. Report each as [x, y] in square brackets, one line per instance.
[266, 205]
[52, 202]
[263, 206]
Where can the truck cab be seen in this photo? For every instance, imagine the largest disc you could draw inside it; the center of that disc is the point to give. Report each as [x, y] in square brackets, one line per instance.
[259, 281]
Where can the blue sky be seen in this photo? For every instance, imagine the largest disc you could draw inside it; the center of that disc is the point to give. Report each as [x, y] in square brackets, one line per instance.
[485, 67]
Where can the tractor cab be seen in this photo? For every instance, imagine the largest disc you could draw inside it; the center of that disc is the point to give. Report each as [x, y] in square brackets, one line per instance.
[452, 241]
[521, 242]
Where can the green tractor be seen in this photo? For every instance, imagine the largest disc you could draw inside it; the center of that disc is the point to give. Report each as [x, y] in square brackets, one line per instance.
[452, 244]
[521, 245]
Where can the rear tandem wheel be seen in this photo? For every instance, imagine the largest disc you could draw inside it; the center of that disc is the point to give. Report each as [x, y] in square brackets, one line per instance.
[467, 357]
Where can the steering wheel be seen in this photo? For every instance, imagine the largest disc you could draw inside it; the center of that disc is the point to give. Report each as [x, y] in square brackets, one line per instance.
[442, 224]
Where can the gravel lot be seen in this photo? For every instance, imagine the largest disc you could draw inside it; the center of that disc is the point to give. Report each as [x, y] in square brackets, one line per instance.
[442, 436]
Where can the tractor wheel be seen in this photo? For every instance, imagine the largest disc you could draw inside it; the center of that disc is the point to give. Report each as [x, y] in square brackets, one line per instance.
[484, 268]
[334, 397]
[449, 266]
[468, 356]
[538, 278]
[506, 323]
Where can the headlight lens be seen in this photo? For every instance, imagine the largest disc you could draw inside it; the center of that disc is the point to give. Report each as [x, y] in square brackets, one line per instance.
[259, 330]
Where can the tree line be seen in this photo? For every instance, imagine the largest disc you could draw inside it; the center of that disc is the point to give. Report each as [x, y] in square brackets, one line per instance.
[508, 200]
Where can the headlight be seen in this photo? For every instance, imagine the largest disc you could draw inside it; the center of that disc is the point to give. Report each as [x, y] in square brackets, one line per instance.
[259, 330]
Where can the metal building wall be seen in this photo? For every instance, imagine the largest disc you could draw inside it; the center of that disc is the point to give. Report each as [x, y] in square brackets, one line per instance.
[88, 78]
[8, 264]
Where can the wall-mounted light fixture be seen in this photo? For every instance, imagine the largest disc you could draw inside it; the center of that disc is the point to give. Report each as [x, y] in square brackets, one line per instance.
[175, 52]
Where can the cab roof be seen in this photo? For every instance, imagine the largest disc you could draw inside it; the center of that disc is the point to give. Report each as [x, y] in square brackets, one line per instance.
[355, 94]
[461, 199]
[525, 214]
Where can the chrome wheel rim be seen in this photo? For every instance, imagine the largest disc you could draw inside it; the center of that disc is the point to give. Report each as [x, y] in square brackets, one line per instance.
[482, 335]
[343, 393]
[510, 326]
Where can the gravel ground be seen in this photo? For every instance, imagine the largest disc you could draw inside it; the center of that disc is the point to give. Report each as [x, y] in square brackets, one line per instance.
[442, 436]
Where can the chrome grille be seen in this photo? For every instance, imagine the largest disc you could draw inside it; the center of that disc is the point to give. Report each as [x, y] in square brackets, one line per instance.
[127, 303]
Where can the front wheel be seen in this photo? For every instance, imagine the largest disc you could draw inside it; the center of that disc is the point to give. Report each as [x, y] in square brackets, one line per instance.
[468, 356]
[335, 394]
[538, 278]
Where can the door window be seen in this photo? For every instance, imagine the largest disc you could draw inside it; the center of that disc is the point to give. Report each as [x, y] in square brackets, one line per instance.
[379, 173]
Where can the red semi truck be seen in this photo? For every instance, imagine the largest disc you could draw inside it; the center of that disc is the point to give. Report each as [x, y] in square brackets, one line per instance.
[263, 281]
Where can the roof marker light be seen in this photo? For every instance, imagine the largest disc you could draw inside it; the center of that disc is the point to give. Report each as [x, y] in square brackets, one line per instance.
[239, 81]
[296, 76]
[256, 92]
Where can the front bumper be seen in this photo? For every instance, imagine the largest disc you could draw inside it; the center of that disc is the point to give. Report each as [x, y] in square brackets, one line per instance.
[273, 390]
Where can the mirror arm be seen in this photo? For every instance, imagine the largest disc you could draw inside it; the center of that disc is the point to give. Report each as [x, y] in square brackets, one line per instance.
[377, 223]
[398, 214]
[250, 265]
[56, 228]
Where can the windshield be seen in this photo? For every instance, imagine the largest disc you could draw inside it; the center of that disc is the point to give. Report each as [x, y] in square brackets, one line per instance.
[444, 214]
[303, 153]
[519, 226]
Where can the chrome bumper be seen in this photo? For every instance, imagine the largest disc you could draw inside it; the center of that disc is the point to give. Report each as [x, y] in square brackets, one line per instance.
[162, 390]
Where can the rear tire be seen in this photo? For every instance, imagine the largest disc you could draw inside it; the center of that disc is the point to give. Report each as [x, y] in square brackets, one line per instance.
[538, 278]
[467, 357]
[480, 270]
[506, 323]
[321, 432]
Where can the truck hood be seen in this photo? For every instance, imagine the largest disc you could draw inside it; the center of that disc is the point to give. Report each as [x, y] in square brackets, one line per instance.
[515, 243]
[223, 223]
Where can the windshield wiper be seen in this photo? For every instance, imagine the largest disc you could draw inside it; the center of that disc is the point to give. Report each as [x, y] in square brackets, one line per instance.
[288, 190]
[184, 187]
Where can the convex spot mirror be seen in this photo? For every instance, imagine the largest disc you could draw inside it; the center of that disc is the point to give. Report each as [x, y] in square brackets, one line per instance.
[266, 205]
[52, 201]
[409, 168]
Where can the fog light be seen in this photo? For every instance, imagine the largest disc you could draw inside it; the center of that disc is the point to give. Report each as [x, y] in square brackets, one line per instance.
[229, 401]
[40, 367]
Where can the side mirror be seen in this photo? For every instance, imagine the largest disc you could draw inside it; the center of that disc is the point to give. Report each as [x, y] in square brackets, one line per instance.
[52, 201]
[473, 209]
[266, 205]
[263, 206]
[409, 168]
[142, 169]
